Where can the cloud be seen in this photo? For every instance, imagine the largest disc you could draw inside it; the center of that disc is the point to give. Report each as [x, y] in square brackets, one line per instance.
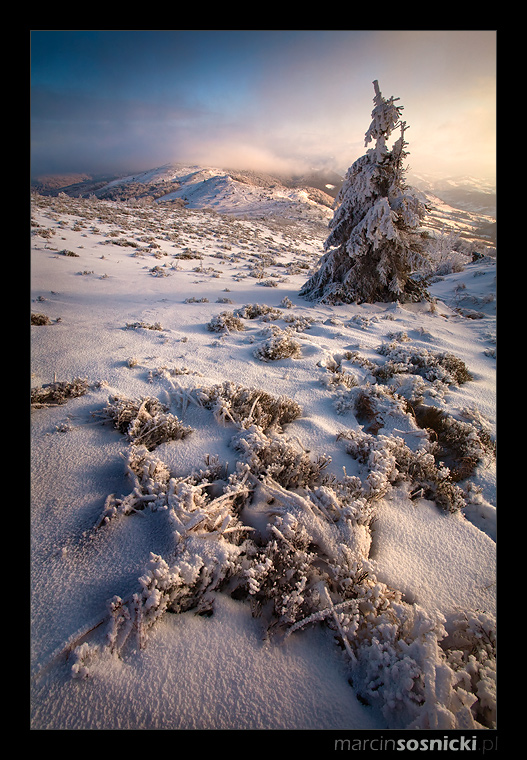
[274, 99]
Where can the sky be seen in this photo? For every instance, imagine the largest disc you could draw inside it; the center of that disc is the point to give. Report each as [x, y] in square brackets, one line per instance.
[113, 101]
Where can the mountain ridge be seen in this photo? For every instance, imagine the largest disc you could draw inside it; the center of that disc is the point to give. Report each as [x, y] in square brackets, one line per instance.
[462, 191]
[465, 205]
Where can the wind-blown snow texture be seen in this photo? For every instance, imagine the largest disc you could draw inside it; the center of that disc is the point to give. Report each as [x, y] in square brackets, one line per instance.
[379, 572]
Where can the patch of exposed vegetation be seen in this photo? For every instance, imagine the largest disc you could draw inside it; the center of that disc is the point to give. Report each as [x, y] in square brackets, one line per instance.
[403, 359]
[226, 321]
[144, 421]
[40, 319]
[58, 393]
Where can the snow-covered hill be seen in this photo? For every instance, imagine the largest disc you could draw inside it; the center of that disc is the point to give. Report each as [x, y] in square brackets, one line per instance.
[464, 206]
[240, 193]
[471, 194]
[311, 489]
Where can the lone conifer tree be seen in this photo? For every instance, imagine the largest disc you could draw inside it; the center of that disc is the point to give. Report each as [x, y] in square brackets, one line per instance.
[375, 243]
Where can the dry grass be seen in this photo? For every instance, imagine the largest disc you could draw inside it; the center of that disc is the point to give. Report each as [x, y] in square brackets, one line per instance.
[226, 322]
[458, 444]
[249, 406]
[40, 319]
[144, 421]
[278, 346]
[58, 393]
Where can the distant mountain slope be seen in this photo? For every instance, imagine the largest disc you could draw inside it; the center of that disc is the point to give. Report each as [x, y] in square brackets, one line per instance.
[464, 205]
[467, 193]
[248, 193]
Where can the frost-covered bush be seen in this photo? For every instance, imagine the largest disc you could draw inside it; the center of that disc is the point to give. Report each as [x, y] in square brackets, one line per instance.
[339, 378]
[144, 421]
[372, 405]
[462, 445]
[56, 394]
[297, 551]
[279, 345]
[158, 271]
[281, 573]
[255, 310]
[272, 455]
[83, 657]
[298, 323]
[196, 514]
[471, 653]
[389, 460]
[247, 406]
[144, 326]
[433, 366]
[191, 500]
[40, 319]
[225, 322]
[65, 252]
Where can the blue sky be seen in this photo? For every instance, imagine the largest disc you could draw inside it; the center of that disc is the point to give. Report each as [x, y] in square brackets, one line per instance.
[105, 101]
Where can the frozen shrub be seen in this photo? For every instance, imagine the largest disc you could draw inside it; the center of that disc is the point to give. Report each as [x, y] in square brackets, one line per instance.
[433, 366]
[192, 500]
[279, 345]
[339, 378]
[298, 323]
[40, 319]
[64, 252]
[373, 405]
[248, 406]
[125, 243]
[188, 254]
[143, 325]
[56, 394]
[168, 372]
[255, 310]
[315, 541]
[144, 421]
[471, 653]
[271, 455]
[83, 657]
[389, 460]
[199, 567]
[461, 445]
[158, 271]
[225, 321]
[336, 375]
[281, 574]
[298, 550]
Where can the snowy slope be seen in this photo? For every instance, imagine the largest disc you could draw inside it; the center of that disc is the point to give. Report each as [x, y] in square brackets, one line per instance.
[469, 193]
[238, 193]
[130, 313]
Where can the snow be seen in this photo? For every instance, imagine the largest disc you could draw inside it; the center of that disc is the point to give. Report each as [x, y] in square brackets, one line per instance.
[221, 672]
[434, 559]
[219, 675]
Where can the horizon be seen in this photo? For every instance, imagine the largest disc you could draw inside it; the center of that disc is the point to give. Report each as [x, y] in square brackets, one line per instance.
[105, 102]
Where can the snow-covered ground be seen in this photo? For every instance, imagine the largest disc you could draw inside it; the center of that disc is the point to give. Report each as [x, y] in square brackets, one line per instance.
[130, 313]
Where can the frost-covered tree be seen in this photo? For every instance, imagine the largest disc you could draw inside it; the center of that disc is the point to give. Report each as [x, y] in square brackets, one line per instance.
[375, 242]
